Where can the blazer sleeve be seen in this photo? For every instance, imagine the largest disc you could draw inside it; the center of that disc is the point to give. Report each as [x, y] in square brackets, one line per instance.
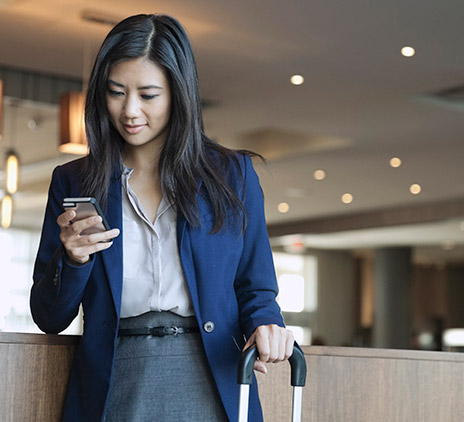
[58, 286]
[256, 284]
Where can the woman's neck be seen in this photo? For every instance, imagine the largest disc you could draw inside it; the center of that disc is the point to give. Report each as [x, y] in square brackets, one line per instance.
[143, 159]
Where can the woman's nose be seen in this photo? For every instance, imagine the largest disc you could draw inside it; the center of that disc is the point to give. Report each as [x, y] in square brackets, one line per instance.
[131, 108]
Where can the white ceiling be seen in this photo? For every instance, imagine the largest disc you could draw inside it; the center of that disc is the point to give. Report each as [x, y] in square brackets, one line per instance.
[361, 104]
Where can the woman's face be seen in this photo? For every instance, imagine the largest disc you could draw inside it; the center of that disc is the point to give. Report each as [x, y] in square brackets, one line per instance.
[138, 98]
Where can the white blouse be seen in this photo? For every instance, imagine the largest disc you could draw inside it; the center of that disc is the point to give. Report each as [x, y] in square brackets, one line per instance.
[153, 278]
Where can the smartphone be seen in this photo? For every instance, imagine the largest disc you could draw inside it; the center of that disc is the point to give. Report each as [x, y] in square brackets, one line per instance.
[84, 208]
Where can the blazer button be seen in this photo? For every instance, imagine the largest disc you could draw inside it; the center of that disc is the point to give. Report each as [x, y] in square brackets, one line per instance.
[209, 326]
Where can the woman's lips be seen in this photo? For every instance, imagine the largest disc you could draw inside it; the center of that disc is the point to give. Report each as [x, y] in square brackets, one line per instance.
[133, 130]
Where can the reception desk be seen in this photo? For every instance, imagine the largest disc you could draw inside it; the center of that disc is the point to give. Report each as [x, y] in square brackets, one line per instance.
[343, 384]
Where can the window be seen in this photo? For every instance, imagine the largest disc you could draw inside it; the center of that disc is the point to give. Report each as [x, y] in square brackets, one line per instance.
[297, 278]
[291, 296]
[18, 249]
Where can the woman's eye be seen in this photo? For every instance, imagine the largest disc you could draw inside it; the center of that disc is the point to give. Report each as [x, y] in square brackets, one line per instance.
[148, 97]
[115, 93]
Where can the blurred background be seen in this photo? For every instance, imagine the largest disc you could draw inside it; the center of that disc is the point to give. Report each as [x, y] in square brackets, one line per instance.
[356, 105]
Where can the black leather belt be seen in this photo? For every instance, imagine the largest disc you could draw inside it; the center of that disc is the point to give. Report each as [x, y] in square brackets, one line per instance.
[157, 331]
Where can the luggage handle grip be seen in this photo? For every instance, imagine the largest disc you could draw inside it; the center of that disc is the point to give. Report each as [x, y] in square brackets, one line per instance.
[297, 363]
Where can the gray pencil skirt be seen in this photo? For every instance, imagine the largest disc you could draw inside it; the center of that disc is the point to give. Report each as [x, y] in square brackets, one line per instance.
[162, 378]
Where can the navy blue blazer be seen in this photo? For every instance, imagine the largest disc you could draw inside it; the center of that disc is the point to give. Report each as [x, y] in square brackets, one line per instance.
[230, 277]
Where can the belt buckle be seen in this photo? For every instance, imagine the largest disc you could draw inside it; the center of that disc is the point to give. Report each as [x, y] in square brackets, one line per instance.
[169, 331]
[164, 331]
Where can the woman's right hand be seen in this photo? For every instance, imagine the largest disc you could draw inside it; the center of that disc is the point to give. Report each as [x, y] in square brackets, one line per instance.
[79, 248]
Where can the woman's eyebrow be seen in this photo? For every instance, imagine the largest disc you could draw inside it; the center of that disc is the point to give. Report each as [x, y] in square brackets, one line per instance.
[115, 83]
[140, 87]
[150, 87]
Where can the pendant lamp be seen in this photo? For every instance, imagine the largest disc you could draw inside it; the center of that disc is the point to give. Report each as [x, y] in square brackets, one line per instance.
[12, 171]
[7, 211]
[72, 128]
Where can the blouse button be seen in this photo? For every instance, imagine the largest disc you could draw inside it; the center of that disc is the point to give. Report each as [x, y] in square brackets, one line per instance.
[208, 326]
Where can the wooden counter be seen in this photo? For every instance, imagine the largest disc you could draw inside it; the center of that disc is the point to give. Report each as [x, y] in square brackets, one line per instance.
[370, 385]
[343, 384]
[34, 372]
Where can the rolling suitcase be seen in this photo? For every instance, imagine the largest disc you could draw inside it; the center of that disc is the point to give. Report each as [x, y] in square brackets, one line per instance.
[245, 378]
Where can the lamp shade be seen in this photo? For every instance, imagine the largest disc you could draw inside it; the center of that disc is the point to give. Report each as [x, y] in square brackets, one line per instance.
[7, 211]
[72, 128]
[12, 172]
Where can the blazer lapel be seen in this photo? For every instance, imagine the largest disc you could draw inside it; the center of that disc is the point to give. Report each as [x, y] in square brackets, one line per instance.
[112, 257]
[186, 259]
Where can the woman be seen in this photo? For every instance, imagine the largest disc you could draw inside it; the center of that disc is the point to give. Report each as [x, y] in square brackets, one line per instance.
[188, 254]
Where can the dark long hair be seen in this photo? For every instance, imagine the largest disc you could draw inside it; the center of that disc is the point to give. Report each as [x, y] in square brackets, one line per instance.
[188, 155]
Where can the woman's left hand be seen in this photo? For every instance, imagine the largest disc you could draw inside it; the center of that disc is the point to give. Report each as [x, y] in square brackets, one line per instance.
[274, 344]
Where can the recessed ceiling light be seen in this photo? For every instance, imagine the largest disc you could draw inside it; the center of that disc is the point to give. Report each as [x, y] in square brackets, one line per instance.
[415, 189]
[33, 124]
[395, 162]
[319, 174]
[283, 207]
[347, 198]
[297, 80]
[408, 51]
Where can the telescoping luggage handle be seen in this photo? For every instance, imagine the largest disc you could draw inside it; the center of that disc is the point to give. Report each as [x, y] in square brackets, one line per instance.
[245, 378]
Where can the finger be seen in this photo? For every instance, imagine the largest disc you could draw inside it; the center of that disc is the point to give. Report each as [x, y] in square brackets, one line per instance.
[65, 218]
[97, 247]
[275, 339]
[250, 342]
[72, 239]
[82, 254]
[260, 367]
[68, 237]
[257, 366]
[262, 344]
[79, 226]
[289, 345]
[100, 237]
[282, 345]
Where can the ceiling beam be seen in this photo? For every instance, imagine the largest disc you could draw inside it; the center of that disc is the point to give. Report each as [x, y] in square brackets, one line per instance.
[394, 216]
